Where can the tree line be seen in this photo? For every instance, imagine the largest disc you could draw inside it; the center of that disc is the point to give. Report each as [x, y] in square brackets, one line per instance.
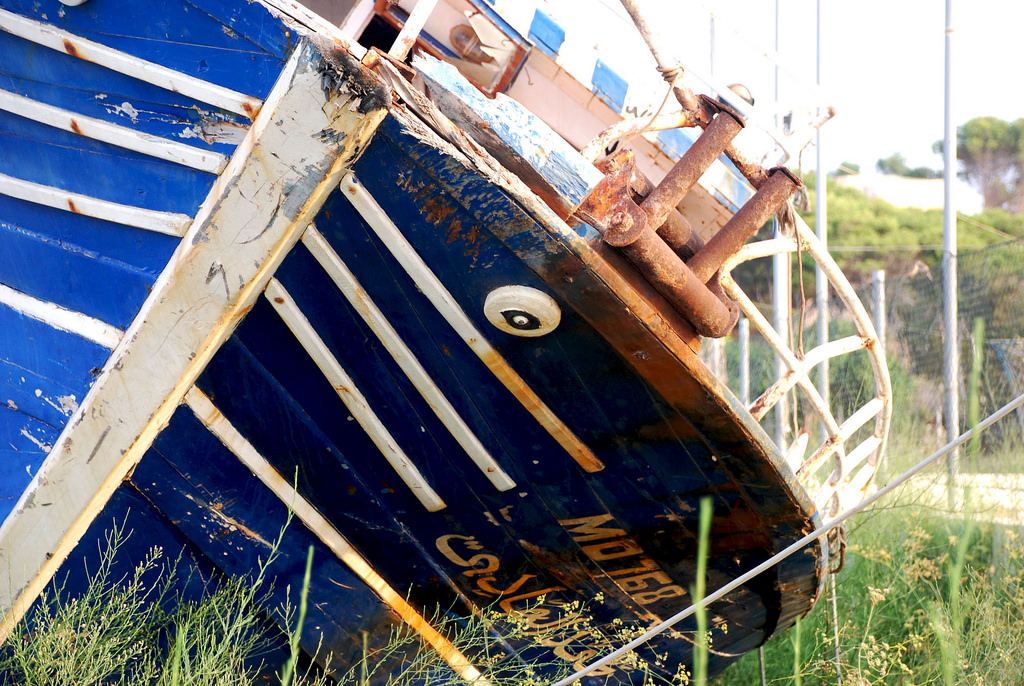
[990, 152]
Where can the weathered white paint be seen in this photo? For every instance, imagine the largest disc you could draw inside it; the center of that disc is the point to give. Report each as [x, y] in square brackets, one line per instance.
[227, 434]
[122, 137]
[439, 296]
[54, 315]
[411, 29]
[168, 223]
[347, 283]
[354, 400]
[130, 65]
[292, 159]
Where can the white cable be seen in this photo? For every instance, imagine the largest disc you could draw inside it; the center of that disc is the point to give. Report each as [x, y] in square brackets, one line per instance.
[778, 557]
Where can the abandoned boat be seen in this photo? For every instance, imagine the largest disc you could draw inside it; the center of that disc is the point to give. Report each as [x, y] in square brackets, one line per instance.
[250, 266]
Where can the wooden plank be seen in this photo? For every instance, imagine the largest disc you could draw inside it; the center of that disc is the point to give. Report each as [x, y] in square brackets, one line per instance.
[87, 327]
[170, 223]
[299, 146]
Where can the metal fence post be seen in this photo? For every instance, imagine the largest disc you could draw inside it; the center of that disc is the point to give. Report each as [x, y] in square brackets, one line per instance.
[744, 336]
[878, 289]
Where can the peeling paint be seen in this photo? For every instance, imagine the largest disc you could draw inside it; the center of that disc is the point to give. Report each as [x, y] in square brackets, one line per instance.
[45, 447]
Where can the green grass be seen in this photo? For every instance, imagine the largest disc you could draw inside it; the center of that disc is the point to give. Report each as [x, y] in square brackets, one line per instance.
[923, 598]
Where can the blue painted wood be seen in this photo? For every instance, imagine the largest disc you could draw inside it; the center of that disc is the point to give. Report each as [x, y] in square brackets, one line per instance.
[45, 155]
[41, 365]
[179, 35]
[227, 514]
[145, 527]
[546, 34]
[101, 269]
[660, 457]
[44, 374]
[267, 386]
[83, 87]
[516, 137]
[22, 452]
[609, 86]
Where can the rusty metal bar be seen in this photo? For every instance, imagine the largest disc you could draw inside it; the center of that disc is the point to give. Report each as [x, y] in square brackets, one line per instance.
[708, 147]
[676, 230]
[680, 236]
[673, 279]
[623, 224]
[744, 224]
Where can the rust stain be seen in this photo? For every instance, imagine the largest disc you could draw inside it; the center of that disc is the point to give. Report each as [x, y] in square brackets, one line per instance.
[70, 49]
[279, 300]
[71, 206]
[75, 127]
[250, 110]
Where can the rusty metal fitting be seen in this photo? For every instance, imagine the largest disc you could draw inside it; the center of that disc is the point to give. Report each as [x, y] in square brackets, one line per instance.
[708, 147]
[715, 286]
[680, 236]
[674, 280]
[609, 207]
[676, 231]
[744, 224]
[623, 224]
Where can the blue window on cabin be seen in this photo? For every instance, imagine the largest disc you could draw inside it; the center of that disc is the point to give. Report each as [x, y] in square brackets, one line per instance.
[609, 86]
[546, 34]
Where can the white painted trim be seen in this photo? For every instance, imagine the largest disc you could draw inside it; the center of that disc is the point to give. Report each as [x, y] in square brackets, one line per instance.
[121, 136]
[411, 29]
[354, 400]
[360, 300]
[427, 281]
[322, 528]
[290, 161]
[54, 315]
[62, 41]
[168, 223]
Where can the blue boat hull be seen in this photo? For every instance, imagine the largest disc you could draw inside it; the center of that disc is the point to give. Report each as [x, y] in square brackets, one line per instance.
[615, 535]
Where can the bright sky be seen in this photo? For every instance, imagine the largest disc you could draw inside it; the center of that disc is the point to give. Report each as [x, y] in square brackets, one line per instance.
[883, 62]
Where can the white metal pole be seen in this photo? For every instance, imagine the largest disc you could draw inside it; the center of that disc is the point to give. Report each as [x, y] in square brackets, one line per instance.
[711, 56]
[781, 301]
[821, 230]
[744, 336]
[878, 289]
[951, 349]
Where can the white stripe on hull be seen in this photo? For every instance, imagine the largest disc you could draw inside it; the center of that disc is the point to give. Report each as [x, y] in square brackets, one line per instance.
[130, 65]
[211, 417]
[121, 136]
[354, 400]
[57, 317]
[168, 223]
[404, 357]
[439, 296]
